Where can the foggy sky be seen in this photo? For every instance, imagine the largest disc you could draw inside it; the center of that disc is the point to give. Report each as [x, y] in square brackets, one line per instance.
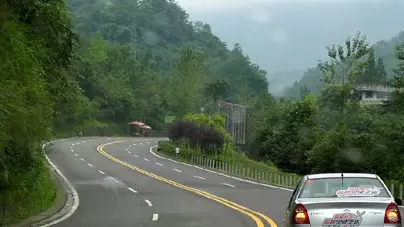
[283, 35]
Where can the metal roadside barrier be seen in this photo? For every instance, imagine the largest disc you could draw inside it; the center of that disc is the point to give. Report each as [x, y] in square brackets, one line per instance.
[396, 189]
[270, 177]
[259, 175]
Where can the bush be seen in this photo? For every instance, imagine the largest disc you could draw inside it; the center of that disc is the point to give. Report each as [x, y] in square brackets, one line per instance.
[197, 136]
[28, 193]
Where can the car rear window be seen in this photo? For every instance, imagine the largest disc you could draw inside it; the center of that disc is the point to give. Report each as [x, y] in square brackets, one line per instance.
[350, 187]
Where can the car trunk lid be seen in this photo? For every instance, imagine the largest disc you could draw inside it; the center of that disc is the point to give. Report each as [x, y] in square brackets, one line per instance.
[352, 211]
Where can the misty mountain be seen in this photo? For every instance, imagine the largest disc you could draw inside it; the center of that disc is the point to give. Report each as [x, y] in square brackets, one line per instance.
[384, 49]
[290, 35]
[280, 80]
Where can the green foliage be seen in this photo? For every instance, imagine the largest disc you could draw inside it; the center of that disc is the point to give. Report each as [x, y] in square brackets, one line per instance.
[384, 56]
[215, 121]
[290, 133]
[29, 194]
[331, 131]
[145, 61]
[36, 48]
[397, 97]
[230, 156]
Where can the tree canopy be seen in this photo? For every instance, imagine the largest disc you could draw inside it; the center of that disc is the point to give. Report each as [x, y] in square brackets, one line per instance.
[382, 62]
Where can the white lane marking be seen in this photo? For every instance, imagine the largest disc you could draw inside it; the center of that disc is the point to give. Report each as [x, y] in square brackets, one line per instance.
[132, 190]
[155, 217]
[71, 150]
[89, 164]
[148, 203]
[117, 181]
[146, 159]
[82, 159]
[148, 141]
[230, 185]
[75, 196]
[199, 177]
[221, 174]
[134, 144]
[177, 170]
[76, 155]
[129, 152]
[101, 172]
[135, 155]
[159, 164]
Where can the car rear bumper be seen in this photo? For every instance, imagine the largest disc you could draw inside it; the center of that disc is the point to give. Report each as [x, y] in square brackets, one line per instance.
[394, 225]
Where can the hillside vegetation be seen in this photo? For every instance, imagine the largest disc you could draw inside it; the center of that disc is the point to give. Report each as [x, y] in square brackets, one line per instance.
[384, 57]
[145, 60]
[331, 131]
[94, 65]
[36, 48]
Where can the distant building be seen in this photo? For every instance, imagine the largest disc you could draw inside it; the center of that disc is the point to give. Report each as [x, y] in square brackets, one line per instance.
[374, 94]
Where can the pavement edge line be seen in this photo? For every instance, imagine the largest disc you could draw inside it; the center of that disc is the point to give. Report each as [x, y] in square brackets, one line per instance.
[72, 201]
[217, 173]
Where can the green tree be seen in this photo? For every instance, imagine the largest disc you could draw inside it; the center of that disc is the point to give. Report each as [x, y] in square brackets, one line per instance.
[381, 71]
[341, 71]
[370, 74]
[289, 138]
[36, 49]
[397, 97]
[185, 90]
[384, 49]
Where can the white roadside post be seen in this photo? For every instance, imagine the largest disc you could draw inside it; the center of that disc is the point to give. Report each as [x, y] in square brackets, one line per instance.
[177, 151]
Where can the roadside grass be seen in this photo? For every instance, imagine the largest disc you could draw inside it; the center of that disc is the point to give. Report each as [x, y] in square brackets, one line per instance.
[29, 193]
[231, 162]
[237, 164]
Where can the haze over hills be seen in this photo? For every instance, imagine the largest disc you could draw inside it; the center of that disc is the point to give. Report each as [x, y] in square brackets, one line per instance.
[285, 37]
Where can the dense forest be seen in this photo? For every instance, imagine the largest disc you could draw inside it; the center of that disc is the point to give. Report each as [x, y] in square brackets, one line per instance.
[95, 65]
[332, 131]
[36, 49]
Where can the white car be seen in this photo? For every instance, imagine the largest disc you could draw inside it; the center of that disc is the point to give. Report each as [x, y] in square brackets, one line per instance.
[342, 200]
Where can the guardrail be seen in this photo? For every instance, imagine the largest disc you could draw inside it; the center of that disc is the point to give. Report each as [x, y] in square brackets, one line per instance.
[274, 178]
[284, 180]
[396, 189]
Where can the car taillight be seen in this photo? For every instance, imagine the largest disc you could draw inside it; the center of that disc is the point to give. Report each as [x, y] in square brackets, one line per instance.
[392, 214]
[300, 215]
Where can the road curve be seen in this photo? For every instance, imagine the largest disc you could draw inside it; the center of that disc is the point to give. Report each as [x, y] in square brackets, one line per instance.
[120, 183]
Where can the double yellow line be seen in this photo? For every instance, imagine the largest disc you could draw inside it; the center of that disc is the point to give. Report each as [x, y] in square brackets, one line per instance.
[250, 213]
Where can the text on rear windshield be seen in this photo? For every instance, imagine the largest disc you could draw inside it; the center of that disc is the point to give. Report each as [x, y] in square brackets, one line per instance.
[349, 187]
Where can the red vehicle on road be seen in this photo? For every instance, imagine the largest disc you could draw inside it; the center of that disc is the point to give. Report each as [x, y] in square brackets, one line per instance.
[137, 128]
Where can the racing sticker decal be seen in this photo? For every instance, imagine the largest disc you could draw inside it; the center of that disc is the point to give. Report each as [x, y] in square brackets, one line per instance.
[358, 191]
[345, 219]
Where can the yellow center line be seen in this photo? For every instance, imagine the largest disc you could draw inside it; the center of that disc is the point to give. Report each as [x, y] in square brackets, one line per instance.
[250, 213]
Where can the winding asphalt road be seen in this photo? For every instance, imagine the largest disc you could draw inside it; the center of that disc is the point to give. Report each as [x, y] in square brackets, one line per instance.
[121, 182]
